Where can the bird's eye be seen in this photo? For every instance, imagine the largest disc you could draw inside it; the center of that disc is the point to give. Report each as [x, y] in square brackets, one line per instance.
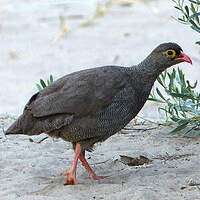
[170, 53]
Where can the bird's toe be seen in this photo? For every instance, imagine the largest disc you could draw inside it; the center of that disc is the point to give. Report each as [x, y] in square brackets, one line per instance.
[95, 177]
[71, 178]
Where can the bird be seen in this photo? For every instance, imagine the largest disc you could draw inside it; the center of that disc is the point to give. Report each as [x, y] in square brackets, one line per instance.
[89, 106]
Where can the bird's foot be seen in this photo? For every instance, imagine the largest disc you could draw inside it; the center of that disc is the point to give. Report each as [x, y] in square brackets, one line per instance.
[95, 177]
[71, 178]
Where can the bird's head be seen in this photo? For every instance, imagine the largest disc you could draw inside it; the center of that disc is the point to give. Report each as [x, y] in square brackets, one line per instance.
[166, 55]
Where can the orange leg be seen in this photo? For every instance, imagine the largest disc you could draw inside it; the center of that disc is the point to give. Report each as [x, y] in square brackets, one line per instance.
[71, 174]
[89, 169]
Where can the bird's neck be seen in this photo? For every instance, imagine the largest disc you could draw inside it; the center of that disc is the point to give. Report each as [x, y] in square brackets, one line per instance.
[147, 70]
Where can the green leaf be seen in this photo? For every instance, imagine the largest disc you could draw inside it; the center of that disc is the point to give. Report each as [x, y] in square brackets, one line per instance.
[183, 121]
[197, 29]
[42, 83]
[198, 42]
[185, 96]
[195, 2]
[38, 87]
[178, 8]
[159, 81]
[175, 119]
[51, 79]
[171, 80]
[187, 10]
[182, 78]
[197, 19]
[189, 131]
[179, 128]
[176, 111]
[190, 86]
[193, 23]
[182, 20]
[193, 8]
[159, 93]
[155, 99]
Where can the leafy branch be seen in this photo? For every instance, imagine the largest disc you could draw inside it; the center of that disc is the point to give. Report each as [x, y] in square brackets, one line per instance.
[181, 100]
[190, 13]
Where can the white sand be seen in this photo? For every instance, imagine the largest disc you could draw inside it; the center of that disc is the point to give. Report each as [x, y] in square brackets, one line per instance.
[32, 171]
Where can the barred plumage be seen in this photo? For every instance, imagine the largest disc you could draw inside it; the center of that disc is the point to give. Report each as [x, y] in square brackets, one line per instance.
[89, 106]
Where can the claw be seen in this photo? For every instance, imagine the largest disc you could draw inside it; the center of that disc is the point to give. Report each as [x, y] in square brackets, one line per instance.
[95, 177]
[92, 174]
[71, 179]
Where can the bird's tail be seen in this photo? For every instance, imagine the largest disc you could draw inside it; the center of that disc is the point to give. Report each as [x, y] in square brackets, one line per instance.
[27, 124]
[15, 128]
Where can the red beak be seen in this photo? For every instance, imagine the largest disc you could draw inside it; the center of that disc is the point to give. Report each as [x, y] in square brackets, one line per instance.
[184, 58]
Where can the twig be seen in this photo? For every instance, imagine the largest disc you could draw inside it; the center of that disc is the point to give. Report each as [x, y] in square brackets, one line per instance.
[42, 140]
[139, 129]
[149, 121]
[31, 140]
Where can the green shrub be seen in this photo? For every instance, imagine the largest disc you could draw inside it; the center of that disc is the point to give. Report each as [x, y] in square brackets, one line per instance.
[190, 13]
[42, 83]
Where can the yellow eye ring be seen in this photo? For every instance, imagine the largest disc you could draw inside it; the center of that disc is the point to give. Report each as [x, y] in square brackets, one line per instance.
[170, 53]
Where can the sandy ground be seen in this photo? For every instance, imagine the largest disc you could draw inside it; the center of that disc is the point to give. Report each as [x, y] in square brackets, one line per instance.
[32, 171]
[124, 36]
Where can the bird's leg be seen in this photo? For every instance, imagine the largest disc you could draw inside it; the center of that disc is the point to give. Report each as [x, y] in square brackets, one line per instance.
[89, 169]
[71, 174]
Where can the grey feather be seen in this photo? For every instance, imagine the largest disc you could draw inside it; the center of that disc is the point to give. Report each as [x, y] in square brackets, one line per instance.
[91, 105]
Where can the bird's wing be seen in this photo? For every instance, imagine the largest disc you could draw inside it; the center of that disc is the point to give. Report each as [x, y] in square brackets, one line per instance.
[78, 94]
